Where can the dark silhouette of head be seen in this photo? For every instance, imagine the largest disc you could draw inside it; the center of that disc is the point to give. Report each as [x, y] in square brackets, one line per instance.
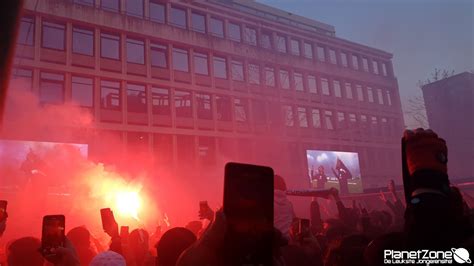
[279, 183]
[80, 238]
[24, 252]
[172, 244]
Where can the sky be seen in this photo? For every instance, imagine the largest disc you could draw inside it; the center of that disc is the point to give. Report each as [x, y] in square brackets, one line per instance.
[421, 34]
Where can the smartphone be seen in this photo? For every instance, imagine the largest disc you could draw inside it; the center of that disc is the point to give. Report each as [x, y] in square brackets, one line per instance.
[3, 209]
[407, 187]
[124, 232]
[53, 235]
[248, 207]
[107, 217]
[304, 228]
[203, 206]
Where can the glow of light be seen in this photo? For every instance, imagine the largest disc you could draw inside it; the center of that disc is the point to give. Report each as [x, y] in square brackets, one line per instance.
[128, 203]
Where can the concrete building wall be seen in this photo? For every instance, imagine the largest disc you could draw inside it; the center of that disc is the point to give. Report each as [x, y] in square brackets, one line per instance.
[449, 106]
[369, 123]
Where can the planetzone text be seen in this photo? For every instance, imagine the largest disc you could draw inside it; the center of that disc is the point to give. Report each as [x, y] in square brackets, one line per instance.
[423, 256]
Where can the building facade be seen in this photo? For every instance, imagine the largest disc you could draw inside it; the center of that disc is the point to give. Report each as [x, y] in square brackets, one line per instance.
[450, 107]
[197, 83]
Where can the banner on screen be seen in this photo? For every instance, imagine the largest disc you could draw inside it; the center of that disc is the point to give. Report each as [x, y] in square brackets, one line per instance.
[337, 169]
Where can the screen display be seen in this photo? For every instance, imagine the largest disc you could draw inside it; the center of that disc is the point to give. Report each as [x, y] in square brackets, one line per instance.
[336, 169]
[53, 231]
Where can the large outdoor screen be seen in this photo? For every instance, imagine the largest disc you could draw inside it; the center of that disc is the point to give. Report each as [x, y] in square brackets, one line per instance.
[23, 160]
[337, 169]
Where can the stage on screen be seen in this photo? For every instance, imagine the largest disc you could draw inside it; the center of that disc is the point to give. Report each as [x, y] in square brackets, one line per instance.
[337, 169]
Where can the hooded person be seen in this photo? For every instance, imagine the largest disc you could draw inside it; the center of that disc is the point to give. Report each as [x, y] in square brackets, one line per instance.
[283, 213]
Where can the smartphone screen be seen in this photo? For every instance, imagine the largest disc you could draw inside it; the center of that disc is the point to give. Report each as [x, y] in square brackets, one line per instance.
[248, 206]
[304, 229]
[3, 209]
[107, 217]
[53, 232]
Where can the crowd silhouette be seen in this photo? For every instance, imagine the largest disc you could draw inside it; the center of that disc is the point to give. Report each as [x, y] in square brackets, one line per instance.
[433, 216]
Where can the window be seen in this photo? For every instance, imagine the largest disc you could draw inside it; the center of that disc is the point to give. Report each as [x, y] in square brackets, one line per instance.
[223, 108]
[207, 151]
[110, 95]
[321, 54]
[316, 118]
[375, 67]
[341, 120]
[308, 50]
[302, 117]
[384, 69]
[332, 56]
[328, 119]
[159, 55]
[259, 112]
[380, 96]
[281, 43]
[180, 60]
[344, 59]
[370, 94]
[295, 47]
[157, 11]
[241, 110]
[204, 106]
[85, 2]
[363, 118]
[182, 103]
[134, 8]
[26, 75]
[348, 91]
[110, 5]
[337, 89]
[110, 46]
[178, 17]
[51, 88]
[82, 41]
[237, 68]
[298, 79]
[360, 93]
[355, 62]
[389, 98]
[198, 22]
[82, 91]
[284, 79]
[220, 67]
[325, 86]
[54, 35]
[288, 116]
[312, 84]
[250, 36]
[217, 27]
[135, 51]
[352, 119]
[234, 32]
[26, 34]
[254, 74]
[201, 64]
[269, 76]
[160, 101]
[365, 64]
[136, 98]
[266, 40]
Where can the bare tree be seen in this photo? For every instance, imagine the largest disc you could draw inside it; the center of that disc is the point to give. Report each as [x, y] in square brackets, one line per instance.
[416, 105]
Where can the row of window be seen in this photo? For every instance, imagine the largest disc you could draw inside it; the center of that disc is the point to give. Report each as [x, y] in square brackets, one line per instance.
[207, 149]
[222, 67]
[52, 87]
[234, 31]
